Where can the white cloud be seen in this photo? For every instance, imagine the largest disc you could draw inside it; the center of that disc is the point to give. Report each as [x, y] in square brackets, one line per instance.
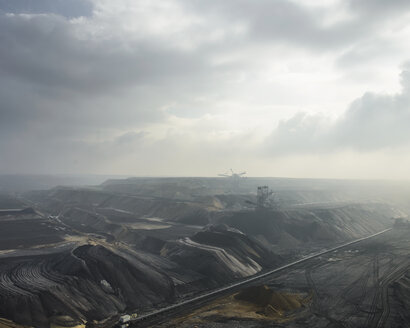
[372, 122]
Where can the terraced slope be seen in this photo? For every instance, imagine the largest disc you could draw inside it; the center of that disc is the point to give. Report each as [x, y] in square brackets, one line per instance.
[91, 283]
[118, 252]
[220, 253]
[293, 228]
[59, 199]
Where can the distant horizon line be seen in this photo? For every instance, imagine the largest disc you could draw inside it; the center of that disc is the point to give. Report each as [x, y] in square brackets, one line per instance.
[127, 176]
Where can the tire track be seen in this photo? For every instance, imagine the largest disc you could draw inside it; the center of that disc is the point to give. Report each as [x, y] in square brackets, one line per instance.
[315, 307]
[28, 277]
[380, 309]
[376, 285]
[393, 276]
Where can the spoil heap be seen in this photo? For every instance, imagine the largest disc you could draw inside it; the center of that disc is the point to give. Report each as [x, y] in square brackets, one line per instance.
[271, 303]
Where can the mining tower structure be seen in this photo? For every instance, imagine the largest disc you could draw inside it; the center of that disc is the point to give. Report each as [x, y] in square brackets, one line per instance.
[262, 196]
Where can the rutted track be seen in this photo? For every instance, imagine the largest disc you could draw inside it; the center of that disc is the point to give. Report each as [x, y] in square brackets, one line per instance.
[27, 277]
[161, 314]
[315, 308]
[394, 275]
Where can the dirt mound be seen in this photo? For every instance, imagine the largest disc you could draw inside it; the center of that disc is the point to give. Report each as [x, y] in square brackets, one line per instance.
[139, 206]
[4, 323]
[87, 221]
[254, 304]
[220, 253]
[274, 303]
[89, 283]
[292, 227]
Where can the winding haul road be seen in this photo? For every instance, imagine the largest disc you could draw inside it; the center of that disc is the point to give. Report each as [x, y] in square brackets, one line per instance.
[169, 311]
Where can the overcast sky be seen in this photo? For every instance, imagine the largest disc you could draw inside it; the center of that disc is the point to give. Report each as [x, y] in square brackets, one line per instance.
[302, 88]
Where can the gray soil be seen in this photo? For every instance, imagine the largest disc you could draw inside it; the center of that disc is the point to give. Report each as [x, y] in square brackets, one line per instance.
[365, 285]
[135, 245]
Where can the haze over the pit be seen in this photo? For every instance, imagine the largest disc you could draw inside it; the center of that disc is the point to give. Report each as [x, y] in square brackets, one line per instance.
[193, 87]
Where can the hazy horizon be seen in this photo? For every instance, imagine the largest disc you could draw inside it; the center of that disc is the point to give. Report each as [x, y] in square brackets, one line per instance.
[283, 88]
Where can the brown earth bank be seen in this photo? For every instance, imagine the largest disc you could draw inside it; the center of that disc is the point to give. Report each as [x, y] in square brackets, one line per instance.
[256, 303]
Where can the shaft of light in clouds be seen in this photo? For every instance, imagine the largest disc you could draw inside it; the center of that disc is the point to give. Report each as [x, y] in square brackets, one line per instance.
[280, 88]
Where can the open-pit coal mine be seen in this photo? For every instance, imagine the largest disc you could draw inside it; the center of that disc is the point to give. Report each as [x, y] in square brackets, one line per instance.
[186, 252]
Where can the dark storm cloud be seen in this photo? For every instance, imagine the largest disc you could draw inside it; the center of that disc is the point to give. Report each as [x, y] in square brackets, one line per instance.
[289, 22]
[372, 122]
[66, 95]
[52, 82]
[82, 92]
[67, 8]
[278, 21]
[46, 51]
[378, 7]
